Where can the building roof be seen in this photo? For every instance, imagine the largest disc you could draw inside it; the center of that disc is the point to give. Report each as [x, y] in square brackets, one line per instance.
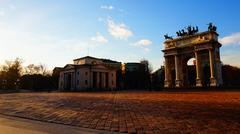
[133, 63]
[86, 57]
[77, 65]
[102, 59]
[109, 61]
[55, 68]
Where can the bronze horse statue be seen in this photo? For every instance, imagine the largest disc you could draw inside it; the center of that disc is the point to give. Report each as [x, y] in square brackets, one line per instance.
[167, 37]
[211, 27]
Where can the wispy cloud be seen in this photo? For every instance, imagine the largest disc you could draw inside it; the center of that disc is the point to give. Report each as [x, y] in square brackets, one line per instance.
[112, 8]
[146, 50]
[143, 42]
[233, 39]
[99, 39]
[118, 30]
[107, 7]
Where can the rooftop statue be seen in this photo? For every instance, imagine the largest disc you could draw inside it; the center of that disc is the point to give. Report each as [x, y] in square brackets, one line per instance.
[211, 27]
[167, 37]
[190, 31]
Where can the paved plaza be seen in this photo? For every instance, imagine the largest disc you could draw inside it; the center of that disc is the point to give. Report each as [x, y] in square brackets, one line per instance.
[131, 112]
[15, 125]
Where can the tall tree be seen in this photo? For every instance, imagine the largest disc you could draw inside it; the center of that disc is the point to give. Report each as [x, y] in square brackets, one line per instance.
[37, 69]
[231, 76]
[11, 72]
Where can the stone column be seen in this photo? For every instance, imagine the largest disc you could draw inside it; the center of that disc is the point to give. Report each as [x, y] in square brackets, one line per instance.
[176, 67]
[97, 79]
[110, 80]
[72, 80]
[64, 81]
[213, 81]
[167, 71]
[107, 79]
[178, 82]
[100, 79]
[90, 79]
[211, 63]
[198, 72]
[103, 80]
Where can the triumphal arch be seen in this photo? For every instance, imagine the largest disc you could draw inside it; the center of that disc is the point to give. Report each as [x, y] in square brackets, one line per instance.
[204, 47]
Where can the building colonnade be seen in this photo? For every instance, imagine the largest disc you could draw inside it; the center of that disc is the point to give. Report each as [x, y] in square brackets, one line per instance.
[178, 67]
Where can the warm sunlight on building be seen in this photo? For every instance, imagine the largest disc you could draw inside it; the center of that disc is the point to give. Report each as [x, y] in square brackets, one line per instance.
[89, 72]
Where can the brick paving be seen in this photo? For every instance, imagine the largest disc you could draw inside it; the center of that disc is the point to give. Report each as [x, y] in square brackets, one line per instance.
[131, 112]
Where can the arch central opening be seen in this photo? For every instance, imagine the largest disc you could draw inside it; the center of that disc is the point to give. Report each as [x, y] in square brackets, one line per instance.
[191, 72]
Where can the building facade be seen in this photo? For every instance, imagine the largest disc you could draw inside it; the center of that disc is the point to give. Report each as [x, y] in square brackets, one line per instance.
[87, 73]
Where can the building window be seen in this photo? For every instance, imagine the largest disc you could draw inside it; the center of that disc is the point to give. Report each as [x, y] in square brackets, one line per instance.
[112, 74]
[86, 82]
[77, 73]
[78, 82]
[112, 83]
[86, 73]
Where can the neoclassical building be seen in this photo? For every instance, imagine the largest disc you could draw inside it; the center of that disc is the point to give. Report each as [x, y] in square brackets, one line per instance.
[204, 47]
[88, 72]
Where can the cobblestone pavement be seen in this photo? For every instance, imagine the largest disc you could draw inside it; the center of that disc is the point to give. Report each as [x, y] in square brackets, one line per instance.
[131, 112]
[15, 125]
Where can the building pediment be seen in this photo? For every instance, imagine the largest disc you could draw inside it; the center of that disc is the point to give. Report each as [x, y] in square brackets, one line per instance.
[68, 66]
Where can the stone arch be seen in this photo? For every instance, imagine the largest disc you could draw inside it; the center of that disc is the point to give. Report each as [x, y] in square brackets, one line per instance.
[191, 61]
[204, 47]
[190, 72]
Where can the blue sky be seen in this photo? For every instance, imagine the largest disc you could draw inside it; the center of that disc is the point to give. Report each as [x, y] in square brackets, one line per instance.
[53, 32]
